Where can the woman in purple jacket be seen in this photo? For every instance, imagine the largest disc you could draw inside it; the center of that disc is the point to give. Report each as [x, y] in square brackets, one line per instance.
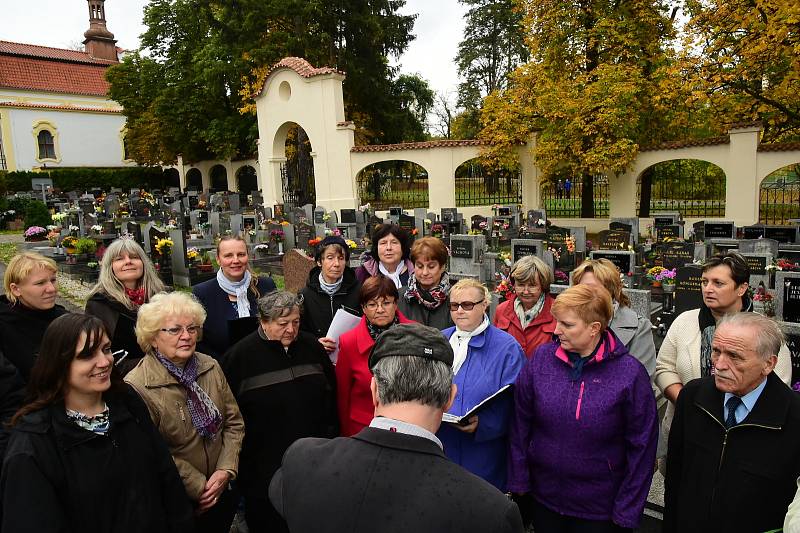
[583, 436]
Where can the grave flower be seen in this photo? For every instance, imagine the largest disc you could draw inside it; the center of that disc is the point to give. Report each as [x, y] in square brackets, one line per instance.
[35, 233]
[74, 228]
[505, 257]
[428, 222]
[561, 276]
[414, 231]
[97, 228]
[570, 242]
[69, 242]
[193, 254]
[504, 289]
[315, 241]
[351, 244]
[277, 235]
[58, 217]
[326, 217]
[164, 246]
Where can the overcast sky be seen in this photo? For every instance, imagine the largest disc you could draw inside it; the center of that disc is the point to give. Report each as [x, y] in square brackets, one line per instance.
[61, 23]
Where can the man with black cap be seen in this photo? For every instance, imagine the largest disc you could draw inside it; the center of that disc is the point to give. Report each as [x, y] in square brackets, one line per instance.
[392, 476]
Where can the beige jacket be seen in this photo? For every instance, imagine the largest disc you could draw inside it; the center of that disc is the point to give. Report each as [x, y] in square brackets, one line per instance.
[678, 361]
[196, 458]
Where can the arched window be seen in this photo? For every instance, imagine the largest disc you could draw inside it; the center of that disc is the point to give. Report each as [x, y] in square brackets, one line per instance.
[47, 145]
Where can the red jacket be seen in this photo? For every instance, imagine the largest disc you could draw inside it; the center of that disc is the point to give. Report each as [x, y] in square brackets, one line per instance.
[538, 332]
[353, 378]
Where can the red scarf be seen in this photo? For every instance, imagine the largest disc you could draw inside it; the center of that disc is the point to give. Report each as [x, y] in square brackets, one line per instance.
[135, 295]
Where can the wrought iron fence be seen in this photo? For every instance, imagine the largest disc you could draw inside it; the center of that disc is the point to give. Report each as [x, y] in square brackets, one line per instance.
[298, 185]
[2, 154]
[562, 199]
[386, 185]
[693, 188]
[477, 185]
[779, 199]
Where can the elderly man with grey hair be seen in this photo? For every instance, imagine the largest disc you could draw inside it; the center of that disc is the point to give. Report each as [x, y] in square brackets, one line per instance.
[734, 447]
[393, 475]
[285, 386]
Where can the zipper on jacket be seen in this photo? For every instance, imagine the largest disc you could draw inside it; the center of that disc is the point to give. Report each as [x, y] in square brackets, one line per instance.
[180, 411]
[580, 399]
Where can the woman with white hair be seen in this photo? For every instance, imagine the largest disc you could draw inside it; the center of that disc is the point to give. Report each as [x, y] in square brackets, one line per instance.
[127, 281]
[486, 360]
[191, 405]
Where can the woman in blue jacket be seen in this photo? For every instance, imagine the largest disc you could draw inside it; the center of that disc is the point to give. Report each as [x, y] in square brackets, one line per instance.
[486, 360]
[230, 299]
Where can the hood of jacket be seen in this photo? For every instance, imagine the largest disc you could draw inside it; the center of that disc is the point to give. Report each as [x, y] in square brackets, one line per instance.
[103, 298]
[17, 311]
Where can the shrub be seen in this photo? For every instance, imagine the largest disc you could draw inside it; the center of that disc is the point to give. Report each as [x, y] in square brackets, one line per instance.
[86, 246]
[68, 179]
[37, 214]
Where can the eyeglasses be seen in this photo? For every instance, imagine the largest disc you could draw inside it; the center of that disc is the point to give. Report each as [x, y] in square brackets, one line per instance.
[466, 306]
[383, 305]
[191, 330]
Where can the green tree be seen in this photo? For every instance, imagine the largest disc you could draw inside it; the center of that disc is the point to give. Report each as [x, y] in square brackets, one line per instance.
[492, 47]
[188, 89]
[595, 89]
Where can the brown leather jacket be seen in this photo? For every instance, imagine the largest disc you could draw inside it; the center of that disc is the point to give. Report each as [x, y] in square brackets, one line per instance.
[196, 458]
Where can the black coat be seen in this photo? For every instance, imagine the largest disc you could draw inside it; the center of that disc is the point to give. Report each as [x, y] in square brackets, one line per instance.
[12, 393]
[21, 332]
[223, 326]
[319, 307]
[120, 323]
[383, 481]
[438, 318]
[58, 477]
[740, 479]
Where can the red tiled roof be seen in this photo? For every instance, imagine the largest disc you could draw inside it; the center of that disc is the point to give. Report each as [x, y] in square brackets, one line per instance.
[676, 145]
[746, 124]
[41, 68]
[418, 145]
[302, 67]
[26, 105]
[47, 52]
[779, 147]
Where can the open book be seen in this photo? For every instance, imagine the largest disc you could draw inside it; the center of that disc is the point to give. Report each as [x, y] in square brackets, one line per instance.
[463, 420]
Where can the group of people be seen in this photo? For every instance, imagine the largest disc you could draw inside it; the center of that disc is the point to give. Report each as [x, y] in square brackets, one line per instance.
[172, 411]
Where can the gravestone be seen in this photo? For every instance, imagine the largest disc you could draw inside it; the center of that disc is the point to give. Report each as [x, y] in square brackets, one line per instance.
[298, 215]
[288, 236]
[153, 235]
[759, 246]
[614, 240]
[296, 267]
[787, 305]
[720, 229]
[671, 231]
[666, 219]
[523, 247]
[783, 234]
[319, 215]
[304, 232]
[449, 214]
[277, 210]
[236, 223]
[633, 222]
[579, 233]
[677, 254]
[466, 254]
[720, 246]
[478, 223]
[180, 268]
[348, 216]
[536, 218]
[753, 232]
[688, 290]
[557, 239]
[624, 260]
[758, 268]
[407, 223]
[109, 228]
[235, 203]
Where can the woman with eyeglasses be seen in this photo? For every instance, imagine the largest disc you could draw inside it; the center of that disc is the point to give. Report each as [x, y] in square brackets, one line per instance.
[285, 385]
[191, 405]
[127, 280]
[526, 316]
[378, 300]
[486, 359]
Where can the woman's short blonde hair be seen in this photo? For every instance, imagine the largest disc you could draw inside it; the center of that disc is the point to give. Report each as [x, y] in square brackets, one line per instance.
[152, 315]
[529, 269]
[20, 267]
[607, 274]
[590, 304]
[471, 283]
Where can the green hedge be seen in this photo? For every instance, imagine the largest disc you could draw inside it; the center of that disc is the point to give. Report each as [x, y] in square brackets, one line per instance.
[68, 179]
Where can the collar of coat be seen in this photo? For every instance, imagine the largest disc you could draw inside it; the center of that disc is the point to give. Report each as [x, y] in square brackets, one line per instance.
[398, 441]
[771, 408]
[507, 316]
[363, 339]
[155, 375]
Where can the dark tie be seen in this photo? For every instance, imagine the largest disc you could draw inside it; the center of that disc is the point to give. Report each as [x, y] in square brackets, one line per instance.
[732, 404]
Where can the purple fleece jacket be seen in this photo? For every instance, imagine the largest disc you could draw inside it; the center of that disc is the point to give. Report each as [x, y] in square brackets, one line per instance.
[584, 448]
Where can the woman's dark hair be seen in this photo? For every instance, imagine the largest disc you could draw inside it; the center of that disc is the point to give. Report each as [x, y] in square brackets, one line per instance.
[50, 374]
[337, 242]
[390, 229]
[377, 287]
[740, 270]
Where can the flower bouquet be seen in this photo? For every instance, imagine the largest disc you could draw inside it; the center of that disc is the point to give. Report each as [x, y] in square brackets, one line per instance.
[35, 234]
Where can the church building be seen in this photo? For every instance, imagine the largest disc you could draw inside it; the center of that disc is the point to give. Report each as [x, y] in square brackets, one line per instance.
[54, 108]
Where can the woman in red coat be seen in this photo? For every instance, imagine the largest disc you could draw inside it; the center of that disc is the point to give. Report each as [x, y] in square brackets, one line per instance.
[378, 299]
[526, 316]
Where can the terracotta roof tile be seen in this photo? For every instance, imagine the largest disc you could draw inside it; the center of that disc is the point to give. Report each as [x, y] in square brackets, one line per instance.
[47, 52]
[114, 111]
[302, 67]
[37, 74]
[418, 145]
[779, 147]
[690, 143]
[746, 124]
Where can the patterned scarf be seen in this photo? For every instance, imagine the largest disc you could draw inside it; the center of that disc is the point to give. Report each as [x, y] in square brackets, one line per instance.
[526, 317]
[206, 418]
[136, 296]
[98, 423]
[708, 326]
[431, 299]
[375, 331]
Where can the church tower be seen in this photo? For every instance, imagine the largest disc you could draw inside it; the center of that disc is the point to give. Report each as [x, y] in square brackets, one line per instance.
[99, 43]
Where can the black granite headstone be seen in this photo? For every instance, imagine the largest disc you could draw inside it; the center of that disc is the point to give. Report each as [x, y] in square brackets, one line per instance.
[688, 288]
[461, 248]
[791, 299]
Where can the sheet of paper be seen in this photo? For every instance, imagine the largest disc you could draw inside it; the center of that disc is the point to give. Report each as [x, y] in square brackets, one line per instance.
[342, 323]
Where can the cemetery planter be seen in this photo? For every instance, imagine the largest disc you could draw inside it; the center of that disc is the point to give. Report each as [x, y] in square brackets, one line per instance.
[205, 268]
[70, 251]
[668, 287]
[656, 283]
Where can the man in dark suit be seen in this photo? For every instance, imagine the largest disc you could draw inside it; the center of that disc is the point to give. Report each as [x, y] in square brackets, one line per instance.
[392, 476]
[734, 446]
